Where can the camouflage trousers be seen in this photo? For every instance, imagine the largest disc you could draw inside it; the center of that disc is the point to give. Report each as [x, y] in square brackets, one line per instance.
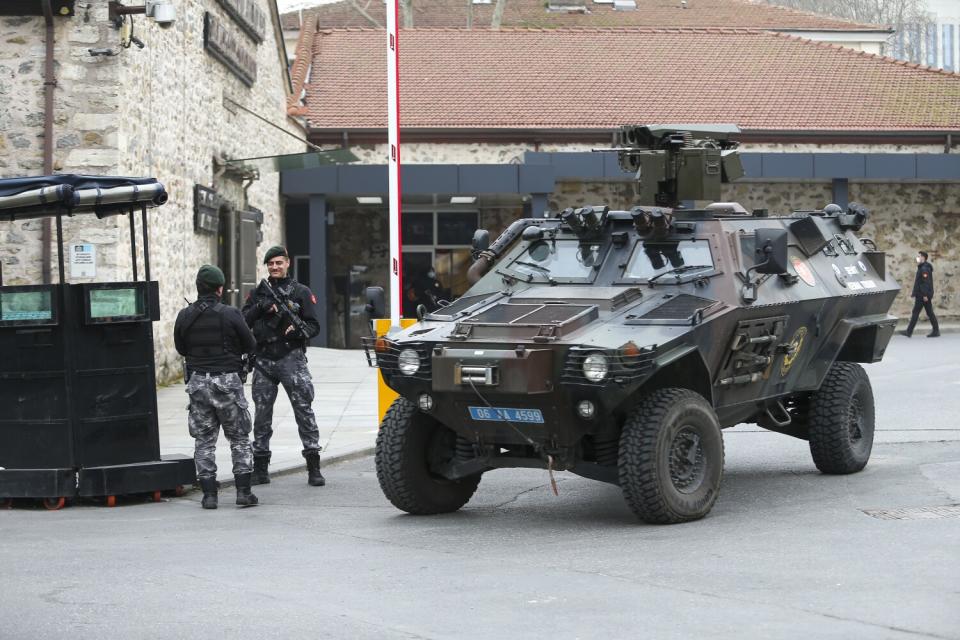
[291, 372]
[218, 401]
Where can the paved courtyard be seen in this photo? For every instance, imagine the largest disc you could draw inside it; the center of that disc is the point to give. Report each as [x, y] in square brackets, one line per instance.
[345, 405]
[786, 553]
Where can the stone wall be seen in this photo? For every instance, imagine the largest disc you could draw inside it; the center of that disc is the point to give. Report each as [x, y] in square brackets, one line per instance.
[497, 153]
[907, 218]
[159, 112]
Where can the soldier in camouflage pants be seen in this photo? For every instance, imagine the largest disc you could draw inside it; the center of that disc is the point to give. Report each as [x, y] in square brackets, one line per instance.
[290, 371]
[282, 314]
[215, 400]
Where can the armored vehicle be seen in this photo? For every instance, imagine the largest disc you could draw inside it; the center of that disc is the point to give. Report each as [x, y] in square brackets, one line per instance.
[618, 344]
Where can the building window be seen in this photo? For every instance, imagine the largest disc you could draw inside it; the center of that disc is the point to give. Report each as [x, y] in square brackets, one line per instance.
[417, 228]
[456, 227]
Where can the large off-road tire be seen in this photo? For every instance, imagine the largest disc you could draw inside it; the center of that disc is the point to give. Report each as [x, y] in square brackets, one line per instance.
[408, 438]
[671, 457]
[841, 420]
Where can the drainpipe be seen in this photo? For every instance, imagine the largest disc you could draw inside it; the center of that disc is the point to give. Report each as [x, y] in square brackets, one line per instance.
[49, 82]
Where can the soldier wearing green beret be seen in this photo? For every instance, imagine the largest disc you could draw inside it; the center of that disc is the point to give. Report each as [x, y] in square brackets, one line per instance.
[213, 338]
[281, 360]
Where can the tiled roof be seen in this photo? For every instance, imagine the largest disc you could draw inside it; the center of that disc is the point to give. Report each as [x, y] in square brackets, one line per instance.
[534, 13]
[602, 78]
[301, 66]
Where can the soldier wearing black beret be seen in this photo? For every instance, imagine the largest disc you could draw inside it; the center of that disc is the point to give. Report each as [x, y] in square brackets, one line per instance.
[281, 360]
[214, 338]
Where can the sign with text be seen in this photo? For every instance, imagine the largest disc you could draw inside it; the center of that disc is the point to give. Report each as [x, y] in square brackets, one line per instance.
[237, 55]
[206, 210]
[83, 261]
[248, 15]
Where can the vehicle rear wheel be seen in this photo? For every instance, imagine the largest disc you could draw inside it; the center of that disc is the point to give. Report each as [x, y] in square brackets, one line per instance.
[408, 445]
[841, 420]
[671, 457]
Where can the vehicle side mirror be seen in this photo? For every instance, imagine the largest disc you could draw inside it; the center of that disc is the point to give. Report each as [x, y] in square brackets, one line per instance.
[376, 303]
[770, 255]
[481, 240]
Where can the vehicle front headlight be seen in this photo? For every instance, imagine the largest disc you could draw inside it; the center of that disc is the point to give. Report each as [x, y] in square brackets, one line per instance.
[408, 362]
[595, 367]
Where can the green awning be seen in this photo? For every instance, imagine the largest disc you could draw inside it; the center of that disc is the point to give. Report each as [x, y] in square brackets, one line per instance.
[309, 160]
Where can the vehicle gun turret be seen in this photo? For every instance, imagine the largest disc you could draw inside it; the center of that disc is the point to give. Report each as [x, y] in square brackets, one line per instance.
[675, 164]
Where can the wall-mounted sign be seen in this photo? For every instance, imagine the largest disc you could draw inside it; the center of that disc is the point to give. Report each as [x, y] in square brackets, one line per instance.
[248, 15]
[238, 55]
[83, 261]
[206, 210]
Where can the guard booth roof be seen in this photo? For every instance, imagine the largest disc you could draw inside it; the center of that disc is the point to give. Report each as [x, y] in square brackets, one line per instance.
[37, 197]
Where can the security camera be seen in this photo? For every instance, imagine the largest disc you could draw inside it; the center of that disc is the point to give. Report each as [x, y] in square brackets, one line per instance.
[162, 11]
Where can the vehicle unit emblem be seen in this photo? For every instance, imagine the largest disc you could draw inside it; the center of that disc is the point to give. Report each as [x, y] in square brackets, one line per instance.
[796, 345]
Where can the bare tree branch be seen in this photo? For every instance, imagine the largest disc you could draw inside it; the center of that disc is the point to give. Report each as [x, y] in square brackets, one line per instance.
[909, 18]
[497, 15]
[880, 12]
[361, 11]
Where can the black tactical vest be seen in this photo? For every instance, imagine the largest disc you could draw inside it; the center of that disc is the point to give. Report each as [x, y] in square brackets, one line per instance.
[204, 331]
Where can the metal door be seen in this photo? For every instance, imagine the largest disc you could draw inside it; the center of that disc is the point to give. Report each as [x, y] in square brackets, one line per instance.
[248, 231]
[239, 237]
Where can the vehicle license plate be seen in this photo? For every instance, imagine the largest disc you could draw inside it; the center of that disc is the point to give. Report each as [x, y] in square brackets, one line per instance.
[500, 414]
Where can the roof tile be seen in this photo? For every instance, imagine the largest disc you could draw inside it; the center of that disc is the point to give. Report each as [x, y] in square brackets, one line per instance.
[602, 78]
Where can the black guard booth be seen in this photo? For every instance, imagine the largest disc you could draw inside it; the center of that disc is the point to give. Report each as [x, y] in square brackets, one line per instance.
[77, 384]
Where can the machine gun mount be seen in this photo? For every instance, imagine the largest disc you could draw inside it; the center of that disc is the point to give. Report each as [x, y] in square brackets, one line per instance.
[677, 164]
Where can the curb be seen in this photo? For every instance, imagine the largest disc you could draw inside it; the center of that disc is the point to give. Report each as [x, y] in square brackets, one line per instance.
[327, 462]
[950, 326]
[290, 469]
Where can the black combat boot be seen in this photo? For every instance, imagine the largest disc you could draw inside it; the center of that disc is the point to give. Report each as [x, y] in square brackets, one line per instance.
[314, 477]
[261, 464]
[244, 497]
[209, 487]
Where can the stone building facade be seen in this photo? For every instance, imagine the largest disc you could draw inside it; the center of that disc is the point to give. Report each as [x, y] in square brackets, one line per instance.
[171, 110]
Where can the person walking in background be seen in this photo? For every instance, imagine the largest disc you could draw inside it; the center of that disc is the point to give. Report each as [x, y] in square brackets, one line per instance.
[923, 296]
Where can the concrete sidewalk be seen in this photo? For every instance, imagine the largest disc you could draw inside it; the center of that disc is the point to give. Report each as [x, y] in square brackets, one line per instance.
[345, 405]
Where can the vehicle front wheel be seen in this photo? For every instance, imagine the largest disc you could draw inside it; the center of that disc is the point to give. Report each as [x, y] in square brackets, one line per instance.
[409, 444]
[671, 457]
[841, 419]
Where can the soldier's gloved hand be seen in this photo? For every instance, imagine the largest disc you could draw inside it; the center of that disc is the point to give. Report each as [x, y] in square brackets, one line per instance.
[266, 306]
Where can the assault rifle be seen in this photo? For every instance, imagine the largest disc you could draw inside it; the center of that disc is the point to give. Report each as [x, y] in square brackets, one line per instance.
[287, 308]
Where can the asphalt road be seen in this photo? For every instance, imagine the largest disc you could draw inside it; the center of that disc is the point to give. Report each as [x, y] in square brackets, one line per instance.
[786, 552]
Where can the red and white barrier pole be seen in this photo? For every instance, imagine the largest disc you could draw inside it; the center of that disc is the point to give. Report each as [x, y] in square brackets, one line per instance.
[393, 136]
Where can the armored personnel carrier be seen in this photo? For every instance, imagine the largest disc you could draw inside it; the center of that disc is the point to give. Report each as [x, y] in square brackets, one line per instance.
[619, 344]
